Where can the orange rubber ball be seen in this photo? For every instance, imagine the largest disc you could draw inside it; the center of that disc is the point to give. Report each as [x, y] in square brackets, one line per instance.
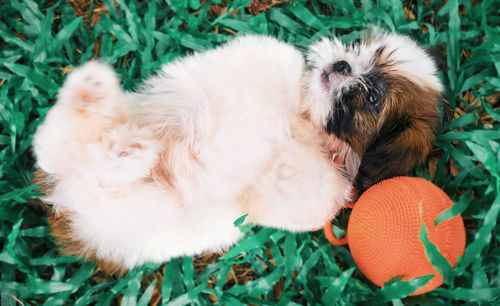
[384, 231]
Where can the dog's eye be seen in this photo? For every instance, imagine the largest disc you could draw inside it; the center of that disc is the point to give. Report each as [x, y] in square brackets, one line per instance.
[373, 97]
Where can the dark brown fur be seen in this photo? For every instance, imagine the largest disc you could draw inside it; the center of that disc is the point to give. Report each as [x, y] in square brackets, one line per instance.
[402, 134]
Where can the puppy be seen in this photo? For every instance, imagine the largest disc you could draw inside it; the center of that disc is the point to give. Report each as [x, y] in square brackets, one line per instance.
[165, 171]
[241, 129]
[379, 96]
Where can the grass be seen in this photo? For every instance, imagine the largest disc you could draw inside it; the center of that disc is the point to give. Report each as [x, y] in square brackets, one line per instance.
[40, 41]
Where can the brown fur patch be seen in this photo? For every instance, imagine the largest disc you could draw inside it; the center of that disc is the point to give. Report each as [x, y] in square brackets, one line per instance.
[402, 134]
[407, 100]
[44, 180]
[419, 105]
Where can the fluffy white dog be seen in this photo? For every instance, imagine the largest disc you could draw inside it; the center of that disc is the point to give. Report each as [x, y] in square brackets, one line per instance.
[164, 172]
[241, 129]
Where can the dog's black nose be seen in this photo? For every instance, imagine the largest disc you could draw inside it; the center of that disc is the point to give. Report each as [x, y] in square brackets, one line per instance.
[342, 67]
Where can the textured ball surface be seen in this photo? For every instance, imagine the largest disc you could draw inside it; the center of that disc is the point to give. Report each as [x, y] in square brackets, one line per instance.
[384, 231]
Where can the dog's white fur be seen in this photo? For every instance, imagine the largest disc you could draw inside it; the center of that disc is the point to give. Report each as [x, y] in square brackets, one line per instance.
[226, 129]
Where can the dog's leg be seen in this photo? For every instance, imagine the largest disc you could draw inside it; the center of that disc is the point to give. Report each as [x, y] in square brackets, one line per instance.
[126, 153]
[89, 109]
[300, 192]
[92, 87]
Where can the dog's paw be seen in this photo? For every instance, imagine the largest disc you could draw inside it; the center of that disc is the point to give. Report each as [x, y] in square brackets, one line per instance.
[130, 148]
[91, 84]
[124, 154]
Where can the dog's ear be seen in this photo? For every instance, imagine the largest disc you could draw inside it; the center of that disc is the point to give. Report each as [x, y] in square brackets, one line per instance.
[401, 143]
[379, 161]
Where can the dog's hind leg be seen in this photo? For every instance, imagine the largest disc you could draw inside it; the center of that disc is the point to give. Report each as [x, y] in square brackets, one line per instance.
[301, 191]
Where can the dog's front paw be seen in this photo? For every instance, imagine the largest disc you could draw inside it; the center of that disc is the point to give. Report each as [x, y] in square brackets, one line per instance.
[91, 85]
[125, 154]
[130, 148]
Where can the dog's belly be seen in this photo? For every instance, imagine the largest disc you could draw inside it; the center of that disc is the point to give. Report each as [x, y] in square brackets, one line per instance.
[237, 153]
[247, 94]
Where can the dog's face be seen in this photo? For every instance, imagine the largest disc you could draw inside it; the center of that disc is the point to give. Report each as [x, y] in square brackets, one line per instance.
[380, 97]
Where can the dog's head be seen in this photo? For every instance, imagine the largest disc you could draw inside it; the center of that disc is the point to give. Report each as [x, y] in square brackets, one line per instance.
[379, 96]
